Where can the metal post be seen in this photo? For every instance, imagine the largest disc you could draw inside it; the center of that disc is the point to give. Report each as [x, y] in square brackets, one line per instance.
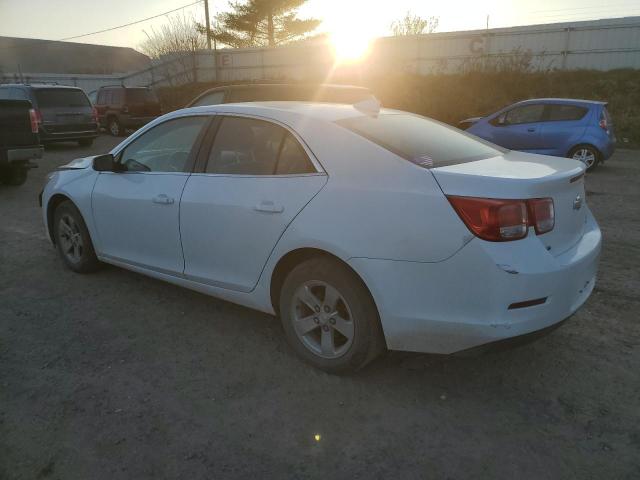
[208, 25]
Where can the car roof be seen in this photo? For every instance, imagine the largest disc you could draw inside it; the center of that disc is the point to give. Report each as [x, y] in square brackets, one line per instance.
[562, 100]
[282, 110]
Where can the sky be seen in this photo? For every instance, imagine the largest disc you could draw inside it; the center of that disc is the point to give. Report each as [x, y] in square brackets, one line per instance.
[59, 19]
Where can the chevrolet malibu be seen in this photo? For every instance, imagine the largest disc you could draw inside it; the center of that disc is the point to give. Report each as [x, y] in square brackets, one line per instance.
[364, 229]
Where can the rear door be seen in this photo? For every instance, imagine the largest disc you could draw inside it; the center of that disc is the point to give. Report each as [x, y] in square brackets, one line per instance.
[255, 178]
[563, 128]
[519, 128]
[63, 109]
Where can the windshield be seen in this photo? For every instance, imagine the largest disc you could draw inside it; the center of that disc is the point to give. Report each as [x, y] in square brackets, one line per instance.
[56, 98]
[140, 95]
[425, 142]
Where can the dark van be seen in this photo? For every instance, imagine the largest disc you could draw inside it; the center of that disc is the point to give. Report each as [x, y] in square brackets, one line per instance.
[63, 113]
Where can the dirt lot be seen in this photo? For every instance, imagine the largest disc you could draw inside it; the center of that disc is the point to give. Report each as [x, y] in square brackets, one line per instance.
[115, 375]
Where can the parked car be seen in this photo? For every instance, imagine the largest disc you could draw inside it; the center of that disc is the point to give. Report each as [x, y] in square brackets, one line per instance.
[579, 129]
[93, 96]
[19, 141]
[121, 108]
[63, 113]
[362, 228]
[287, 92]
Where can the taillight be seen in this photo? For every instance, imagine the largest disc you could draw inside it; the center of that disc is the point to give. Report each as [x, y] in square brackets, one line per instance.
[603, 122]
[541, 214]
[33, 117]
[94, 114]
[498, 220]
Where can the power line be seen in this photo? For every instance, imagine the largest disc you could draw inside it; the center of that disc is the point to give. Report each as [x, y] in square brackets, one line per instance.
[131, 23]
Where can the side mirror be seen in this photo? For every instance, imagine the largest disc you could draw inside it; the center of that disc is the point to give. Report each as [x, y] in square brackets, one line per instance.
[104, 163]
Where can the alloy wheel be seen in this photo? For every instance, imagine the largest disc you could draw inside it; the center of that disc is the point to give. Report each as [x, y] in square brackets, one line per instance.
[114, 128]
[70, 238]
[322, 319]
[586, 156]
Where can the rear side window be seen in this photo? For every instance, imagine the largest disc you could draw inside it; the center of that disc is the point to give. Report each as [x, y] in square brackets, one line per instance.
[246, 146]
[60, 98]
[420, 140]
[116, 97]
[559, 113]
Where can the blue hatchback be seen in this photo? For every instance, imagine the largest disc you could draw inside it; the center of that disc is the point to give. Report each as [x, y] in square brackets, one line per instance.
[579, 129]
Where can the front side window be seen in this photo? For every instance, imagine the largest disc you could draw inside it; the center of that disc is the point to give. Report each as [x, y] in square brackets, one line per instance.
[140, 95]
[420, 140]
[245, 146]
[164, 148]
[524, 114]
[559, 113]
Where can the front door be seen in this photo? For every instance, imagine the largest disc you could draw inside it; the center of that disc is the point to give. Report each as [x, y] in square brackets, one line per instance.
[136, 211]
[519, 128]
[256, 180]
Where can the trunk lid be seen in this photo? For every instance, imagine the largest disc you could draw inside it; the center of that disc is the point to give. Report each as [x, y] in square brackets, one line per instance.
[519, 175]
[66, 108]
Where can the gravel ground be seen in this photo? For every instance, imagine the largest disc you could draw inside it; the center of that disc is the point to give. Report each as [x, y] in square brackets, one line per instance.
[115, 375]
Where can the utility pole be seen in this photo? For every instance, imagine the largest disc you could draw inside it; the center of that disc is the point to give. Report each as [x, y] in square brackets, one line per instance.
[206, 16]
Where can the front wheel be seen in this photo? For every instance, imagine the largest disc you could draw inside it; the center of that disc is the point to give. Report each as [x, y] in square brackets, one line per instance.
[587, 155]
[72, 239]
[329, 316]
[115, 127]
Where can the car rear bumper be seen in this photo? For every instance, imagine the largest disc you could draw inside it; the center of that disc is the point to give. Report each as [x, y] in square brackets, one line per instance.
[62, 133]
[464, 302]
[23, 154]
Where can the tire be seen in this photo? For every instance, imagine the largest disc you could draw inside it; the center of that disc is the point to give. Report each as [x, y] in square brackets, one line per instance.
[14, 176]
[114, 127]
[85, 142]
[73, 241]
[587, 154]
[353, 338]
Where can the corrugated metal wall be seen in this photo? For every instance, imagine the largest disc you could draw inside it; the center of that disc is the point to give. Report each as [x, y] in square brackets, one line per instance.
[599, 44]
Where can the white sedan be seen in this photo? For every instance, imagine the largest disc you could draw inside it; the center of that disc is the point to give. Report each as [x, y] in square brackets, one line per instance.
[362, 229]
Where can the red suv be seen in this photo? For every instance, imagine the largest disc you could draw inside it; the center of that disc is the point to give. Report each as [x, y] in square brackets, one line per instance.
[121, 108]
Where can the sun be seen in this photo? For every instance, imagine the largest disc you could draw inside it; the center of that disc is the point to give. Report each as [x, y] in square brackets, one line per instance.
[350, 46]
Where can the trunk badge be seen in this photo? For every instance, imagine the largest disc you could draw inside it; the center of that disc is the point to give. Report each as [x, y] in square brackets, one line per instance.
[577, 203]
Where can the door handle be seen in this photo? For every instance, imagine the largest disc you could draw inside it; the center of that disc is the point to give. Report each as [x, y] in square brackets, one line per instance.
[268, 207]
[163, 199]
[531, 129]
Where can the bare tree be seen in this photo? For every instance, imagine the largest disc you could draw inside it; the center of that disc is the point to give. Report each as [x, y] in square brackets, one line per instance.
[173, 47]
[412, 24]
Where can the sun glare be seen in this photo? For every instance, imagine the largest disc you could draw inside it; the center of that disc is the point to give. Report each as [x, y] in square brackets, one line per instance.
[350, 46]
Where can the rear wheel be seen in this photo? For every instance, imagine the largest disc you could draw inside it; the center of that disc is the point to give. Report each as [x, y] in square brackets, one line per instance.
[329, 316]
[72, 239]
[115, 127]
[15, 175]
[587, 155]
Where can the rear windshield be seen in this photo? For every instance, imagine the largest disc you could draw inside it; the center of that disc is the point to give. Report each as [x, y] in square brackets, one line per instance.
[300, 94]
[58, 97]
[425, 142]
[140, 95]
